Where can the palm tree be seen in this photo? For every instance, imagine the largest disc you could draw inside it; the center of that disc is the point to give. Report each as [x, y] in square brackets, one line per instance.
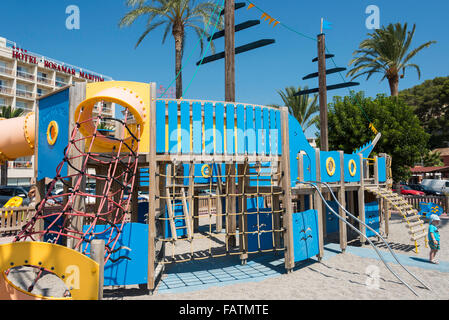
[303, 108]
[432, 159]
[7, 113]
[387, 51]
[176, 16]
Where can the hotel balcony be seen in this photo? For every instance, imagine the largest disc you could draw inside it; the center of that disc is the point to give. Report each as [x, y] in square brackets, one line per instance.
[24, 94]
[25, 76]
[60, 84]
[44, 81]
[8, 91]
[5, 71]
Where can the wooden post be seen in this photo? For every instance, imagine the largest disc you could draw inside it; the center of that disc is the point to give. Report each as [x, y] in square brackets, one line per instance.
[231, 206]
[152, 190]
[286, 186]
[229, 50]
[322, 92]
[243, 221]
[318, 204]
[361, 201]
[342, 200]
[77, 95]
[97, 254]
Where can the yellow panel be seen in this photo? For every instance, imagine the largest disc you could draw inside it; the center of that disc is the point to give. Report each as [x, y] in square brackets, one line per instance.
[79, 272]
[142, 90]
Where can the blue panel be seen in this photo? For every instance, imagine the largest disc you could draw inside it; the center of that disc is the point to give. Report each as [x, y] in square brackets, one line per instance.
[219, 128]
[382, 169]
[258, 127]
[273, 134]
[263, 241]
[298, 142]
[124, 271]
[250, 132]
[372, 217]
[160, 126]
[179, 222]
[426, 209]
[266, 134]
[230, 124]
[305, 235]
[311, 232]
[299, 247]
[325, 175]
[332, 224]
[209, 128]
[185, 127]
[173, 127]
[197, 136]
[355, 170]
[241, 129]
[279, 130]
[53, 108]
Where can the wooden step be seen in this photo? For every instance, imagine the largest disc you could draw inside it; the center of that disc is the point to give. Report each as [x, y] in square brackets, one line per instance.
[419, 236]
[411, 218]
[417, 230]
[414, 224]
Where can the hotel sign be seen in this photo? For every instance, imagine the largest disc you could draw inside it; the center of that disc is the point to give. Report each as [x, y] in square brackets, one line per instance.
[22, 55]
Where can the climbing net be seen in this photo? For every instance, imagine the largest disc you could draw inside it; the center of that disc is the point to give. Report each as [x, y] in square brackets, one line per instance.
[63, 218]
[222, 209]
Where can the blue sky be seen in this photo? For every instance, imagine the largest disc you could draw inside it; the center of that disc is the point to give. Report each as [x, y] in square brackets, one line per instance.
[100, 45]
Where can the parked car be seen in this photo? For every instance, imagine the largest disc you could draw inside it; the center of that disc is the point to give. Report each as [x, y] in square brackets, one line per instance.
[409, 191]
[425, 189]
[437, 185]
[8, 192]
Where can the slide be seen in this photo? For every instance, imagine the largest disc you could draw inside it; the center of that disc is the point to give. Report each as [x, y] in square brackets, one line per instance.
[17, 137]
[313, 184]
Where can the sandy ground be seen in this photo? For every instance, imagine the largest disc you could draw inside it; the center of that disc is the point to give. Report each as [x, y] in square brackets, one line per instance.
[343, 276]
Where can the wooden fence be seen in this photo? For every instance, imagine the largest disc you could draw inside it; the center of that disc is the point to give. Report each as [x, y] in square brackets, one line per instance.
[442, 201]
[13, 219]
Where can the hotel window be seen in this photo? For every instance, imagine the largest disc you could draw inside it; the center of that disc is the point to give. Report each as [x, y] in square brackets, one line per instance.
[60, 82]
[22, 105]
[2, 66]
[40, 92]
[2, 102]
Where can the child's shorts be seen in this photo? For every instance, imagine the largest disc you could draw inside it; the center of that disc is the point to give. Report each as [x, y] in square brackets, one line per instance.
[434, 246]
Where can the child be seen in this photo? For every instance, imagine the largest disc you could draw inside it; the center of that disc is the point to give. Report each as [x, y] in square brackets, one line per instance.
[434, 237]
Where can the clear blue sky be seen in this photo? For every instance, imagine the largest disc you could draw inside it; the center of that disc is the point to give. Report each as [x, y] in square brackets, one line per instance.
[100, 45]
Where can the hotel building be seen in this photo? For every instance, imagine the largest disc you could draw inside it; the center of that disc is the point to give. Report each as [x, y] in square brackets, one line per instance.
[25, 76]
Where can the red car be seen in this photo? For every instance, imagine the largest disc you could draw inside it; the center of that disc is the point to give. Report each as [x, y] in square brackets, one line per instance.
[410, 191]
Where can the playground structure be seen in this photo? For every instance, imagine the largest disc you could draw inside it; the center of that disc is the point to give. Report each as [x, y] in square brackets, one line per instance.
[263, 187]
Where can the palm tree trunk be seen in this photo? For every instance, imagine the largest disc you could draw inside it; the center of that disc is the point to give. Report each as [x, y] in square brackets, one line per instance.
[394, 85]
[178, 34]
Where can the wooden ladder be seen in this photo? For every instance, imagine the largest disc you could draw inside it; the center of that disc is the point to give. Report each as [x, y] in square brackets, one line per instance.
[410, 215]
[170, 200]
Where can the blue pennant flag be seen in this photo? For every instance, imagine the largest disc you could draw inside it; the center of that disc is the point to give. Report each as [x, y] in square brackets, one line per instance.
[327, 25]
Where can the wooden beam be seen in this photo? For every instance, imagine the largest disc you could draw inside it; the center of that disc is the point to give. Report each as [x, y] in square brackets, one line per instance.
[152, 190]
[318, 204]
[361, 201]
[322, 92]
[287, 198]
[342, 200]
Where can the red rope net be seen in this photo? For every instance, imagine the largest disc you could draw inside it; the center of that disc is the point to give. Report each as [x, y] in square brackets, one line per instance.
[64, 218]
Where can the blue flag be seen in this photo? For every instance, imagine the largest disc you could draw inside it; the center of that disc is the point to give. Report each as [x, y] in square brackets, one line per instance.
[327, 25]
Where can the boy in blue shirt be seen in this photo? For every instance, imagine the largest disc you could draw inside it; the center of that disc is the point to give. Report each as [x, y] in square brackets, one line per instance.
[434, 237]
